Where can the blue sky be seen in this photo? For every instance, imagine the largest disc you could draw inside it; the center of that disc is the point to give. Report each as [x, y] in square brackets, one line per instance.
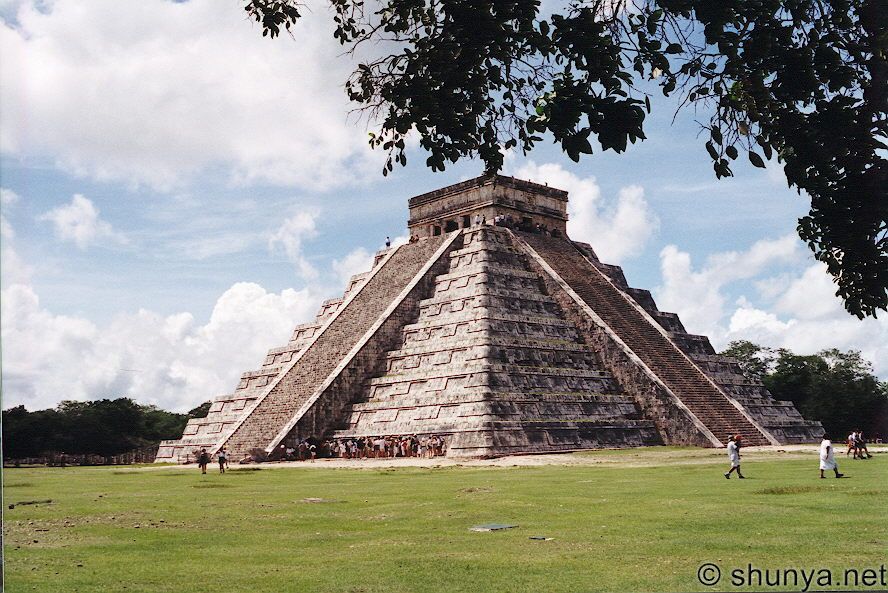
[178, 192]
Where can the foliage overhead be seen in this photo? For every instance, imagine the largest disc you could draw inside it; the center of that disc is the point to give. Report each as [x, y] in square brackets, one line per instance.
[837, 388]
[802, 81]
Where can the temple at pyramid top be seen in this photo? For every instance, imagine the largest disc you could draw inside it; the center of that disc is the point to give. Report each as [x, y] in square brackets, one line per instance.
[494, 332]
[488, 196]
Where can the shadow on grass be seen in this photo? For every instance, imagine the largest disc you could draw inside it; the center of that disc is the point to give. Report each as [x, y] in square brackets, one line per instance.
[788, 490]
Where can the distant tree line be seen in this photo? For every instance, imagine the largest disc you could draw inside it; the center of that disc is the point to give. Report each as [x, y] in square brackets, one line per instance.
[837, 388]
[102, 427]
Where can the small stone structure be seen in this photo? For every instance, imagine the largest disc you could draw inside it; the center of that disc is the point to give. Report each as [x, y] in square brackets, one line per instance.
[504, 337]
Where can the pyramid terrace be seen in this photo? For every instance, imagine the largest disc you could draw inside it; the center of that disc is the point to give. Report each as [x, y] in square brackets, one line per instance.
[494, 332]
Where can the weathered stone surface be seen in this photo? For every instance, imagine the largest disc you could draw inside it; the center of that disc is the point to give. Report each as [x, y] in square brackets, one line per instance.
[493, 364]
[500, 341]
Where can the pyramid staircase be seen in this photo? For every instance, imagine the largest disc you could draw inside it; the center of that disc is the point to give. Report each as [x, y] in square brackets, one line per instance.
[492, 363]
[499, 340]
[779, 418]
[266, 401]
[703, 384]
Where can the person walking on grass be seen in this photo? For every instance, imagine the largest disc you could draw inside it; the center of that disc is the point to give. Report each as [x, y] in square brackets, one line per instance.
[734, 457]
[862, 451]
[223, 460]
[828, 458]
[852, 444]
[203, 460]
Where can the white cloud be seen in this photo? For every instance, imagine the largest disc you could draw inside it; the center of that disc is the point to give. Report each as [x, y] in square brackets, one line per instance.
[8, 197]
[355, 262]
[154, 92]
[807, 317]
[168, 361]
[698, 296]
[616, 231]
[290, 236]
[12, 269]
[79, 222]
[795, 309]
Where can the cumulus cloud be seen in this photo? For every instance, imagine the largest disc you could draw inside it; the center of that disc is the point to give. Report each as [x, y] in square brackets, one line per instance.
[154, 92]
[698, 295]
[8, 197]
[169, 361]
[616, 230]
[355, 262]
[289, 238]
[79, 222]
[807, 317]
[13, 270]
[793, 307]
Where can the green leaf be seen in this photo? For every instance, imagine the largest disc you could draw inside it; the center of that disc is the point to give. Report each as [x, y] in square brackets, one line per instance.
[731, 151]
[716, 135]
[674, 48]
[712, 151]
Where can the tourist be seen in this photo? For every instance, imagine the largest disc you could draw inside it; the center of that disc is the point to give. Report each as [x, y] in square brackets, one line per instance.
[223, 460]
[477, 221]
[388, 242]
[734, 457]
[827, 457]
[861, 446]
[852, 440]
[203, 460]
[312, 451]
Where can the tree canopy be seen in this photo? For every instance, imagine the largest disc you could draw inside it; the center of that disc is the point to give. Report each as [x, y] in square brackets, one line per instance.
[101, 427]
[802, 81]
[837, 388]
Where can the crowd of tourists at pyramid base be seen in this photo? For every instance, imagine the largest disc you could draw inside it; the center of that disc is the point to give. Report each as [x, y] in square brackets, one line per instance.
[367, 448]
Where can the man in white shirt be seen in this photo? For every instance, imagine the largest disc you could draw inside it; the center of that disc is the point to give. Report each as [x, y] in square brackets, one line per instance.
[734, 456]
[827, 457]
[852, 444]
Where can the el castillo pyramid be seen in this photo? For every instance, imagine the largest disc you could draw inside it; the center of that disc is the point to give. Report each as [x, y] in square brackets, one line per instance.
[503, 337]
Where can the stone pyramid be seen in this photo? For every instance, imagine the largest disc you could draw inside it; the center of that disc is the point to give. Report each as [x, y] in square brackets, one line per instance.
[503, 337]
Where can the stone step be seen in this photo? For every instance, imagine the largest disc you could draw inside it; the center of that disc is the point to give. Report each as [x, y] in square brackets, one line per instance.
[486, 395]
[276, 410]
[489, 291]
[684, 379]
[484, 367]
[491, 269]
[488, 339]
[493, 316]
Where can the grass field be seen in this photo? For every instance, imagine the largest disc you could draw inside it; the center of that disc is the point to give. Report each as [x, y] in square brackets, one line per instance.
[635, 521]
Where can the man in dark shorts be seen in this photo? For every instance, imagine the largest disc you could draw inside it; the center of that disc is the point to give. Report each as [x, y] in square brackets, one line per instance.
[203, 460]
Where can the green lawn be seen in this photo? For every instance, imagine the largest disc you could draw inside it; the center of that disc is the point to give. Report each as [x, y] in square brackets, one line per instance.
[615, 526]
